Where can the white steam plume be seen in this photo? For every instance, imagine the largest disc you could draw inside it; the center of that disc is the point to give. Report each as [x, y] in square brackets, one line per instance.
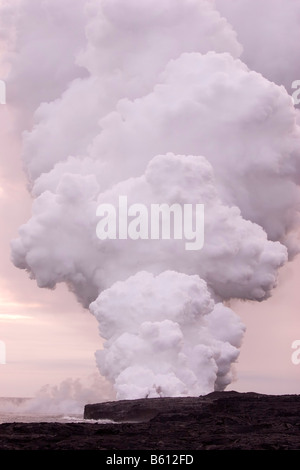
[39, 42]
[162, 110]
[68, 398]
[171, 339]
[269, 33]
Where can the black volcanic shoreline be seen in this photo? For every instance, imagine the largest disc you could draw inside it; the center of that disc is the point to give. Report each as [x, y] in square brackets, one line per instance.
[218, 421]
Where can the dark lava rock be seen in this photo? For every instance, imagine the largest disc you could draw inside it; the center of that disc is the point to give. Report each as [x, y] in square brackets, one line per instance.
[142, 410]
[217, 421]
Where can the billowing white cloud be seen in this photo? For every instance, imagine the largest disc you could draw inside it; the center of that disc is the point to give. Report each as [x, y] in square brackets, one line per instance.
[154, 103]
[268, 31]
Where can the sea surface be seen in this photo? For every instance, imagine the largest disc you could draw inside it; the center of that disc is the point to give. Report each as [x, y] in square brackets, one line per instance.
[11, 417]
[14, 410]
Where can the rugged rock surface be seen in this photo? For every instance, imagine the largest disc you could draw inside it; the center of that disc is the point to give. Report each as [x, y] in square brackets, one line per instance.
[221, 420]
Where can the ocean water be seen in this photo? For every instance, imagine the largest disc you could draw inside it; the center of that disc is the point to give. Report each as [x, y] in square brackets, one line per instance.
[12, 417]
[19, 410]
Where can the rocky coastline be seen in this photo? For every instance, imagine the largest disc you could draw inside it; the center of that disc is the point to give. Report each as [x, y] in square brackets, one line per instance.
[217, 421]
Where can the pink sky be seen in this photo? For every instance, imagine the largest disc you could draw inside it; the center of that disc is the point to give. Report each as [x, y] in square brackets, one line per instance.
[48, 335]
